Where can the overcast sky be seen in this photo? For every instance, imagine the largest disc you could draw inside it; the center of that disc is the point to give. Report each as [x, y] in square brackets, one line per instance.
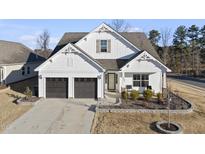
[26, 31]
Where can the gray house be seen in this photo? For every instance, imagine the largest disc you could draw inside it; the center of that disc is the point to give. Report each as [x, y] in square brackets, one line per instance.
[17, 62]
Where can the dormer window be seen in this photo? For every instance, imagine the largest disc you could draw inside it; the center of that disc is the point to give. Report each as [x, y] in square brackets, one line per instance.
[103, 45]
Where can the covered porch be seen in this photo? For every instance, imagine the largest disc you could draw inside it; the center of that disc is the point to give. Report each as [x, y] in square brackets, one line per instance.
[118, 81]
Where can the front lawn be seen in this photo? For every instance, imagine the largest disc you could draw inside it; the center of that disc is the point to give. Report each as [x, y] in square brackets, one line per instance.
[143, 122]
[9, 111]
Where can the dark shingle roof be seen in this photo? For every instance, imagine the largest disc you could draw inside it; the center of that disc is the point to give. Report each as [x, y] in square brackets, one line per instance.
[138, 39]
[112, 64]
[13, 52]
[43, 53]
[116, 64]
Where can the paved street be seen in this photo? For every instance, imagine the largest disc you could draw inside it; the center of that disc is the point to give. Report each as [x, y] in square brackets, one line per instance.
[190, 81]
[55, 116]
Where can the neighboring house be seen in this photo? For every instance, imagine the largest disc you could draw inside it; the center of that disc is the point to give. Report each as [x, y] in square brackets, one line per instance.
[17, 62]
[43, 53]
[86, 65]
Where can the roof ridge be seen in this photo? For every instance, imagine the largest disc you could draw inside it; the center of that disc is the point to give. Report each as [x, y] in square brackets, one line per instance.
[118, 32]
[133, 32]
[18, 43]
[75, 32]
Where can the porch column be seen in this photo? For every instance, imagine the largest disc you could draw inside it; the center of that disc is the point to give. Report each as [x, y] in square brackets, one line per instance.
[119, 81]
[122, 81]
[164, 85]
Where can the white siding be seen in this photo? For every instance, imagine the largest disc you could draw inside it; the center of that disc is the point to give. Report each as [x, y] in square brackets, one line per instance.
[13, 73]
[70, 63]
[70, 66]
[119, 48]
[143, 67]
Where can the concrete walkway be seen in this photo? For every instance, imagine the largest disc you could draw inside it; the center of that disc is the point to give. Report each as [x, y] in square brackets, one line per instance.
[55, 116]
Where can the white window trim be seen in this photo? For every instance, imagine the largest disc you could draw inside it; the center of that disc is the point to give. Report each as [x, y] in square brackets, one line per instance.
[101, 46]
[140, 80]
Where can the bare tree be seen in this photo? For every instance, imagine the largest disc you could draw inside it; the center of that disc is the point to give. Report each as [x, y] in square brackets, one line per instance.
[120, 25]
[43, 40]
[165, 37]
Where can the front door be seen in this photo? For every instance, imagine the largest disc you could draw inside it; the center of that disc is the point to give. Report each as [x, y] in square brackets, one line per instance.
[111, 81]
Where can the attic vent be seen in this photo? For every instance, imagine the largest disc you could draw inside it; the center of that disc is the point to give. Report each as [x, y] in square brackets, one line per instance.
[144, 57]
[103, 29]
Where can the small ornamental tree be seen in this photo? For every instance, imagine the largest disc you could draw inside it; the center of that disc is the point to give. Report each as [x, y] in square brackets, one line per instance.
[28, 93]
[134, 94]
[124, 95]
[147, 94]
[159, 97]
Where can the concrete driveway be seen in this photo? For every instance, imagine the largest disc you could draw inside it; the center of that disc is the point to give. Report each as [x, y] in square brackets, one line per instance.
[56, 116]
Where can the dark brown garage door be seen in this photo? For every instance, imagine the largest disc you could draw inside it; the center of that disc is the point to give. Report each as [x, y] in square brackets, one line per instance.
[56, 87]
[85, 88]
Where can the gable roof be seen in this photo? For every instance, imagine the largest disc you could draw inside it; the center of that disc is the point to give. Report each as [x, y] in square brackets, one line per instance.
[13, 52]
[138, 39]
[149, 57]
[78, 49]
[116, 64]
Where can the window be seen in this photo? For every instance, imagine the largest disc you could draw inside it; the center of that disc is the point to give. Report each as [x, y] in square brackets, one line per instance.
[103, 45]
[140, 80]
[23, 70]
[28, 70]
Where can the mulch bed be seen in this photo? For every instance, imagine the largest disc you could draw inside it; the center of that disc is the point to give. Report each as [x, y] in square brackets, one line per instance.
[32, 99]
[176, 103]
[25, 101]
[170, 128]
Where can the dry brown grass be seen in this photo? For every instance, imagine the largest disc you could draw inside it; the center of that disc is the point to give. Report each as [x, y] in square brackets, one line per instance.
[141, 122]
[9, 111]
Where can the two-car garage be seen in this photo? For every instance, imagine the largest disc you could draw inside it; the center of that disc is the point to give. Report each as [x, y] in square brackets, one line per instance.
[71, 73]
[83, 87]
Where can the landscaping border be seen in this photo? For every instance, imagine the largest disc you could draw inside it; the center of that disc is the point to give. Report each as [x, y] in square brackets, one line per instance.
[181, 111]
[145, 110]
[20, 102]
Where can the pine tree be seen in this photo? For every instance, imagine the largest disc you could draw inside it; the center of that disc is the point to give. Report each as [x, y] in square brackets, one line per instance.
[180, 45]
[194, 44]
[202, 44]
[154, 37]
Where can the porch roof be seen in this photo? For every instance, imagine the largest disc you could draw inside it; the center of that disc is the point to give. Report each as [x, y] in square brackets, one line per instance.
[112, 64]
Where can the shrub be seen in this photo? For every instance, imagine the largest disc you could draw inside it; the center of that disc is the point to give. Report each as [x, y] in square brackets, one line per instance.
[124, 95]
[159, 97]
[147, 94]
[28, 93]
[134, 94]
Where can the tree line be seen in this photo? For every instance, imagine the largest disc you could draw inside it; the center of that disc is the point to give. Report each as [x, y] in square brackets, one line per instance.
[186, 52]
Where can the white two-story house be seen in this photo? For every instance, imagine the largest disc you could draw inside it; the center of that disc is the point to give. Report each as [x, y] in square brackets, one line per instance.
[86, 65]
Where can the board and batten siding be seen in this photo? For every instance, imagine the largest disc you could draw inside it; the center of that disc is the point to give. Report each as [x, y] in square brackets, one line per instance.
[118, 47]
[71, 66]
[143, 67]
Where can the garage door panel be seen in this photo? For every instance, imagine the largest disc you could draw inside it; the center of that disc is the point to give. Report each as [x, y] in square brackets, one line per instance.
[85, 88]
[56, 87]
